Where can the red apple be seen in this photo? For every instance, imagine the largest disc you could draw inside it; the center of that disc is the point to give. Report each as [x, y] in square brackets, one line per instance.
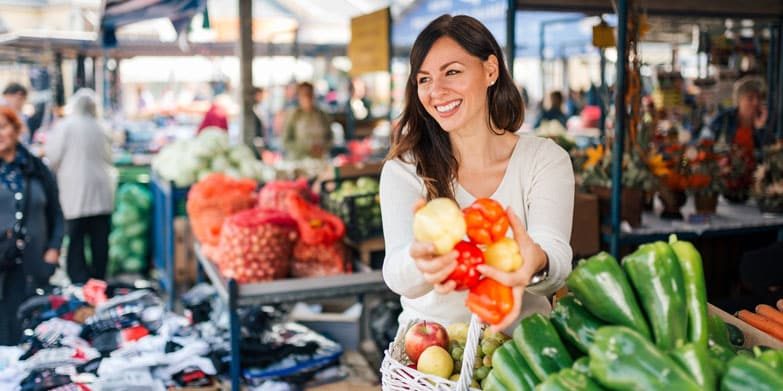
[423, 335]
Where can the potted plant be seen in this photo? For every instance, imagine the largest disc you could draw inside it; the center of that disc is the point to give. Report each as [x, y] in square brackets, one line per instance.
[597, 179]
[768, 180]
[671, 173]
[736, 171]
[704, 180]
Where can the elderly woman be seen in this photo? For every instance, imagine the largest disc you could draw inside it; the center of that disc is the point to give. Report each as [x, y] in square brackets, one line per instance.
[79, 152]
[745, 124]
[30, 214]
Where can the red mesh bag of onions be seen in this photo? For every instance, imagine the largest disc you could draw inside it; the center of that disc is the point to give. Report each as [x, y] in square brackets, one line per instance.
[256, 245]
[213, 199]
[316, 260]
[273, 195]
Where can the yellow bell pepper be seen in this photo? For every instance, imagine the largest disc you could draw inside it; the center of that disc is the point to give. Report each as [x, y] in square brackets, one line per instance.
[441, 223]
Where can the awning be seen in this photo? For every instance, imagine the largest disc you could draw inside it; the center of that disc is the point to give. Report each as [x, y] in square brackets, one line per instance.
[118, 13]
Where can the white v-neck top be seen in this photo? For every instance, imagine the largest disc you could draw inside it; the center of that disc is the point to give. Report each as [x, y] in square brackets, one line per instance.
[538, 185]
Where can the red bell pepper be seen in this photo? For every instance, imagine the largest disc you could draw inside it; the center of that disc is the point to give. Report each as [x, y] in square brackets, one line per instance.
[465, 274]
[316, 226]
[490, 300]
[486, 220]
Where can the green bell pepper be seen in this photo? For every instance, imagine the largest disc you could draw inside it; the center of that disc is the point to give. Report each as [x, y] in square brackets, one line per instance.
[582, 365]
[511, 369]
[537, 340]
[622, 359]
[574, 322]
[694, 358]
[745, 373]
[600, 284]
[695, 289]
[718, 334]
[657, 277]
[492, 383]
[773, 359]
[568, 380]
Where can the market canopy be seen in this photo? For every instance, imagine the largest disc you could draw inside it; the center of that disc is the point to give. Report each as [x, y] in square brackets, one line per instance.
[118, 13]
[717, 8]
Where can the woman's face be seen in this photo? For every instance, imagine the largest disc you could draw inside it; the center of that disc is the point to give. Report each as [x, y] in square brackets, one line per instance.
[452, 86]
[305, 100]
[749, 105]
[9, 136]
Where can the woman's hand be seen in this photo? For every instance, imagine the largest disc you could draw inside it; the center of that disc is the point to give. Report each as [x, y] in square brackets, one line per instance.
[433, 267]
[52, 256]
[534, 260]
[760, 119]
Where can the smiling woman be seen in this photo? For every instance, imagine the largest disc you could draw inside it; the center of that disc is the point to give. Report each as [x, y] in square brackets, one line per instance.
[456, 139]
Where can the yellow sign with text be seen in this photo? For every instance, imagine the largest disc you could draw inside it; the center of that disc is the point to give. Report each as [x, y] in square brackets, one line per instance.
[369, 46]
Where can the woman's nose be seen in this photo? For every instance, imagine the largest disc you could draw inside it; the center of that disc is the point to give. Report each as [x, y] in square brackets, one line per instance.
[437, 87]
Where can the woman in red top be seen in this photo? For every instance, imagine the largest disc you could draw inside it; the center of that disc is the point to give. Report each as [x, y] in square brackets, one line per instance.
[745, 124]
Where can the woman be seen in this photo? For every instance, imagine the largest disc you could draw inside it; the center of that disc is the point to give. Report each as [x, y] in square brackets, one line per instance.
[28, 197]
[79, 152]
[745, 124]
[307, 132]
[458, 140]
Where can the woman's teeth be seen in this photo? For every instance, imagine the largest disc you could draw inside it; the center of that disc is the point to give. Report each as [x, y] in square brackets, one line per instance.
[448, 107]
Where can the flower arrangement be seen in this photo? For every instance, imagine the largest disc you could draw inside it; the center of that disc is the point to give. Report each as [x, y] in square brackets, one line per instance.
[768, 180]
[693, 168]
[597, 170]
[736, 169]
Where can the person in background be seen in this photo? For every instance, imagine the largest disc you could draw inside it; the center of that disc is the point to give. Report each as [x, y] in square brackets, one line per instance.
[216, 116]
[744, 125]
[79, 152]
[555, 111]
[28, 200]
[261, 120]
[307, 132]
[15, 96]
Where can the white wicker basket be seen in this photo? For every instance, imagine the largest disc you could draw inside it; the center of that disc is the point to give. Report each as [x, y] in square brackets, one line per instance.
[396, 376]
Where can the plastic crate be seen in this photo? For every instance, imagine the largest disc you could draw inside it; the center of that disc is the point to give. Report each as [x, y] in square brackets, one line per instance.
[361, 213]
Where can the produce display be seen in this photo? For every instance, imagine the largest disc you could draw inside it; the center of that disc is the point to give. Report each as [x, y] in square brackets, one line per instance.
[766, 318]
[433, 349]
[185, 162]
[128, 250]
[256, 245]
[641, 324]
[485, 223]
[214, 198]
[357, 202]
[286, 234]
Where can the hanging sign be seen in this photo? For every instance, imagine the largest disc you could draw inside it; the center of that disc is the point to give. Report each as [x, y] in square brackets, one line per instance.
[369, 45]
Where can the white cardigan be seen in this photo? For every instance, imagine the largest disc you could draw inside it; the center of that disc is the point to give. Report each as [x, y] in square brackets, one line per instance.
[538, 185]
[79, 153]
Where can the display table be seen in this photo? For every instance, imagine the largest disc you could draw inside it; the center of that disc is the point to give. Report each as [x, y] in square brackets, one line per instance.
[728, 220]
[280, 291]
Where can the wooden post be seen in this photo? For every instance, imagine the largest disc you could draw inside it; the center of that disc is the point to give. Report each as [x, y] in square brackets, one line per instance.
[246, 124]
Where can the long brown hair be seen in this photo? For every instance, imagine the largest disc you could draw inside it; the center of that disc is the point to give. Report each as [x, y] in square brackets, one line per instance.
[418, 138]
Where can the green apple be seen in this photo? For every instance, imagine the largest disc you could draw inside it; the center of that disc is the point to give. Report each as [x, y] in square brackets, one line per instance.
[435, 361]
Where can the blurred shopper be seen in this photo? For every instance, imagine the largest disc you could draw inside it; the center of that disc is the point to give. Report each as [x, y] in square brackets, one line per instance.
[15, 96]
[261, 119]
[216, 116]
[307, 131]
[79, 152]
[555, 111]
[745, 124]
[30, 212]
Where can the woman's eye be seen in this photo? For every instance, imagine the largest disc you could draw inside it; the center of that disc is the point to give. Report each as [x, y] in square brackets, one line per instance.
[451, 72]
[423, 79]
